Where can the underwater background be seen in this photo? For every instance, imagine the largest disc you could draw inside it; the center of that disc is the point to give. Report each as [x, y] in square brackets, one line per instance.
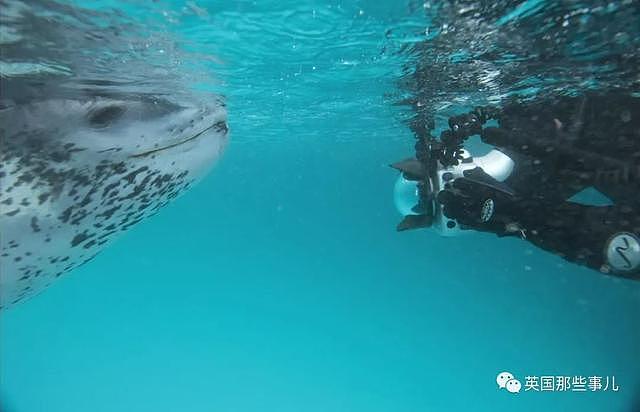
[279, 282]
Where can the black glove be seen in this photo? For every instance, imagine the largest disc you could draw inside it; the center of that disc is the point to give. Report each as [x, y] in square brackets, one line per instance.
[478, 201]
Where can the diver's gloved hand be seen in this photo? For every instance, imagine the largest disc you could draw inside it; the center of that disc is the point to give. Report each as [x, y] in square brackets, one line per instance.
[605, 238]
[478, 201]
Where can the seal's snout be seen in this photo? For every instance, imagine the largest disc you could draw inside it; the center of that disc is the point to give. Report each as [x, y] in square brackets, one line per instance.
[221, 127]
[213, 116]
[189, 127]
[192, 118]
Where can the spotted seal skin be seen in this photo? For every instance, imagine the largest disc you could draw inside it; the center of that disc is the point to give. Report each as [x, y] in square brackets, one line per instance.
[77, 171]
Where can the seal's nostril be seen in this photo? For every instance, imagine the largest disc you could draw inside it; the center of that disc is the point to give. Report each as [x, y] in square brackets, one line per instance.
[221, 127]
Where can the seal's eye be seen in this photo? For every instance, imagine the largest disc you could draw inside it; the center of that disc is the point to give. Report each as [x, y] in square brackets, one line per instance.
[104, 116]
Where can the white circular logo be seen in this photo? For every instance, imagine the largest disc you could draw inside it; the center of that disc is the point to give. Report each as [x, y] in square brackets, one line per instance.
[623, 252]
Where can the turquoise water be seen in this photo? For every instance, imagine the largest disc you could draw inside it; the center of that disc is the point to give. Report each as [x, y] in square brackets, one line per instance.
[279, 283]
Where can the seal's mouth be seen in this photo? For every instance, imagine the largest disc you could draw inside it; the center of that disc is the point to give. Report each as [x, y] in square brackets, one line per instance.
[220, 126]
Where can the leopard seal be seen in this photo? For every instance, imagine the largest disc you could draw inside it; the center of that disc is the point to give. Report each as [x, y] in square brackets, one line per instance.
[79, 166]
[101, 125]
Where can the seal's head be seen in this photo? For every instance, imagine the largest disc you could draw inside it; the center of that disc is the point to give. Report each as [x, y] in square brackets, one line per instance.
[151, 131]
[76, 171]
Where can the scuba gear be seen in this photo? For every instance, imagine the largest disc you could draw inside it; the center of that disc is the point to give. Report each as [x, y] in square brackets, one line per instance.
[477, 201]
[437, 165]
[623, 252]
[558, 155]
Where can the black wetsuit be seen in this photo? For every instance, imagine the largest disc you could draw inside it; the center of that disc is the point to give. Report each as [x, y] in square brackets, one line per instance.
[561, 147]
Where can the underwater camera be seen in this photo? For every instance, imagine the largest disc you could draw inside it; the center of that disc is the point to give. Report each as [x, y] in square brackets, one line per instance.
[437, 163]
[416, 199]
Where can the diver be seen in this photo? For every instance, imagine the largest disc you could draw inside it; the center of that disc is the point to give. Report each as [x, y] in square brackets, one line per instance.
[545, 153]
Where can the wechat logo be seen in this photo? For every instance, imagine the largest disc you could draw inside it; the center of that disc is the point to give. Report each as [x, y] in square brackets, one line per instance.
[505, 380]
